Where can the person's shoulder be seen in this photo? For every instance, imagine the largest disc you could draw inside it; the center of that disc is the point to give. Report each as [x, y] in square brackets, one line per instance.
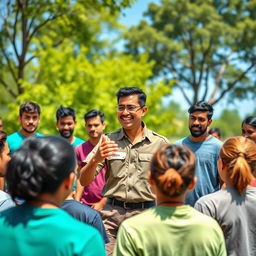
[114, 135]
[74, 205]
[182, 141]
[156, 136]
[38, 134]
[74, 224]
[77, 141]
[144, 218]
[202, 219]
[216, 141]
[211, 201]
[12, 136]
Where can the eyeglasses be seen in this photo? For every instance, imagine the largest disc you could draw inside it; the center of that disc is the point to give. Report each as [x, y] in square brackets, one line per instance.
[129, 108]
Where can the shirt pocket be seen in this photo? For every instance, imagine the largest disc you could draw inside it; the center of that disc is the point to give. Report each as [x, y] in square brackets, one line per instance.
[144, 164]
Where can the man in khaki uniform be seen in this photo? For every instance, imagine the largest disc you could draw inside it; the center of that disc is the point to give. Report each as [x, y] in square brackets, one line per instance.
[127, 154]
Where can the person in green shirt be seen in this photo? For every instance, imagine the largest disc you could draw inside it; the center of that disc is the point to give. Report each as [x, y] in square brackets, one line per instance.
[29, 119]
[171, 227]
[41, 172]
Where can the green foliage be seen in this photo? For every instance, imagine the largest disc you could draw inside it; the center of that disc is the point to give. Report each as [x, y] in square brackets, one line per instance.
[68, 79]
[229, 122]
[207, 47]
[29, 26]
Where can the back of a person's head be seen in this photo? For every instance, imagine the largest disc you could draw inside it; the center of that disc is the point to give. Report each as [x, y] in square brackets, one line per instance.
[30, 107]
[173, 169]
[127, 91]
[202, 106]
[64, 112]
[39, 166]
[250, 120]
[215, 131]
[3, 136]
[239, 156]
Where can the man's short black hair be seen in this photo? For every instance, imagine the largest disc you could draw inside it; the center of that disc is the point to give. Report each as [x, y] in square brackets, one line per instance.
[30, 107]
[202, 106]
[64, 112]
[93, 113]
[126, 91]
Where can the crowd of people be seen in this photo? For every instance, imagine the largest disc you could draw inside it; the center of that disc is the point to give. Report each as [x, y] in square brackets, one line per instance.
[129, 192]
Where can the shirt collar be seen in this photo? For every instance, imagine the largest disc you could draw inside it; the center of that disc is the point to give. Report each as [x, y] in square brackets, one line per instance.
[145, 133]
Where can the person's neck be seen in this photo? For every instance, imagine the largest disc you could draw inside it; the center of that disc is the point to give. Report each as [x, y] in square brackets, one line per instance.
[134, 134]
[201, 138]
[46, 201]
[94, 141]
[71, 139]
[24, 133]
[163, 200]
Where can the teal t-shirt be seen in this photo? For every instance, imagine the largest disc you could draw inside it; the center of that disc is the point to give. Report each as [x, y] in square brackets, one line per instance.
[15, 140]
[28, 230]
[77, 141]
[172, 231]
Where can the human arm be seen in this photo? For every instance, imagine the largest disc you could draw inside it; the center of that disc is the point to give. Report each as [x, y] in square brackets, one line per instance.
[99, 205]
[79, 190]
[106, 149]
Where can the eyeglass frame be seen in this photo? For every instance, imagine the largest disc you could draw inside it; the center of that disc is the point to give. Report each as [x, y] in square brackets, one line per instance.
[125, 107]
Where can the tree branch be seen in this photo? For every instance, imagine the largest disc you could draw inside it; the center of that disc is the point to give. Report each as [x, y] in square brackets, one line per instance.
[206, 82]
[9, 63]
[8, 89]
[231, 86]
[219, 76]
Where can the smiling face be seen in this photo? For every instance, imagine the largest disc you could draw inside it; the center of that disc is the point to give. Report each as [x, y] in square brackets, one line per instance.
[199, 123]
[249, 132]
[66, 126]
[29, 122]
[130, 119]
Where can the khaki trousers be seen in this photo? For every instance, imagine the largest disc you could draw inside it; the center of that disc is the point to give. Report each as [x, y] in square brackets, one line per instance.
[112, 217]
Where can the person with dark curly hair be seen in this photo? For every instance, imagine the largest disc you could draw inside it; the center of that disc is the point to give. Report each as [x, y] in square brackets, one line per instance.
[41, 172]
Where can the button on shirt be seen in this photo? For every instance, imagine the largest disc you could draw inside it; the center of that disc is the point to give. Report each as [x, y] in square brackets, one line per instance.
[127, 172]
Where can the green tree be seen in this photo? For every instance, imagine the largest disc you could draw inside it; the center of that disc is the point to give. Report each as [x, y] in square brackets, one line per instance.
[206, 46]
[25, 23]
[84, 84]
[229, 122]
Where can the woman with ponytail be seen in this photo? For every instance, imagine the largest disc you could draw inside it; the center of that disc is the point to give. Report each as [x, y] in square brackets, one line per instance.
[171, 227]
[234, 206]
[41, 173]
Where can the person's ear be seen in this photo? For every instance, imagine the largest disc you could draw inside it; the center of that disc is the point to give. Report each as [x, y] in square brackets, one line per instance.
[209, 122]
[144, 110]
[69, 181]
[192, 184]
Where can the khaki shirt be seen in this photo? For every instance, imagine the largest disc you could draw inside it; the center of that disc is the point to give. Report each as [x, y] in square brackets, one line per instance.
[127, 172]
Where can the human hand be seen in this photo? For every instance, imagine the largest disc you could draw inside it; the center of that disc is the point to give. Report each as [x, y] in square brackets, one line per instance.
[106, 149]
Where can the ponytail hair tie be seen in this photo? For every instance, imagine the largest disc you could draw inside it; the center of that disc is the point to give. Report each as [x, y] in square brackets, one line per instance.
[241, 154]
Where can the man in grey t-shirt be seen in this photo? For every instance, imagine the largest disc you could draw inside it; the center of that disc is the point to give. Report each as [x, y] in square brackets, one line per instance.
[206, 148]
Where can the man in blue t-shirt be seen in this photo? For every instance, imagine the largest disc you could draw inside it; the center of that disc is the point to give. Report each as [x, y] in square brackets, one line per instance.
[65, 124]
[29, 118]
[206, 149]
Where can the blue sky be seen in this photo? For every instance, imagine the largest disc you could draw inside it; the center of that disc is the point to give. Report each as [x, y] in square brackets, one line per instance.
[132, 16]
